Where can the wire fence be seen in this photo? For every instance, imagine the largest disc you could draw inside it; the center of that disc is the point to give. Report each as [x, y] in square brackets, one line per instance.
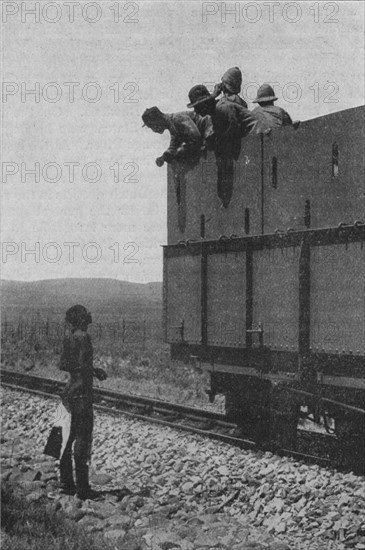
[37, 330]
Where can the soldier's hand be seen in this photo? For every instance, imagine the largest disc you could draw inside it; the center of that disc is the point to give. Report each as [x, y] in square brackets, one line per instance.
[168, 156]
[160, 161]
[217, 89]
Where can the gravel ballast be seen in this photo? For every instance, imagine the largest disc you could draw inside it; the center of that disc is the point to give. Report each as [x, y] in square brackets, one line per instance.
[184, 491]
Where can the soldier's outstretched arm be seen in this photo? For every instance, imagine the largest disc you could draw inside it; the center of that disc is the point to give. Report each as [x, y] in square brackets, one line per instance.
[170, 153]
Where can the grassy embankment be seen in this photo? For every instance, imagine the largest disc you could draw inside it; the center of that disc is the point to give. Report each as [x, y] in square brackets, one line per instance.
[37, 526]
[137, 369]
[126, 332]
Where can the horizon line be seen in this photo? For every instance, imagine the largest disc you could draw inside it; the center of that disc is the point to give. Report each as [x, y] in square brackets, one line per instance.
[76, 278]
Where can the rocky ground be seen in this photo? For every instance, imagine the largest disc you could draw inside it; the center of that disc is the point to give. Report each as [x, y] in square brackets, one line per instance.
[162, 489]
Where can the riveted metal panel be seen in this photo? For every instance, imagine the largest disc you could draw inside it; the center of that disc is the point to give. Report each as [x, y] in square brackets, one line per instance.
[304, 173]
[305, 192]
[226, 299]
[290, 166]
[192, 193]
[338, 298]
[246, 193]
[276, 296]
[183, 202]
[183, 299]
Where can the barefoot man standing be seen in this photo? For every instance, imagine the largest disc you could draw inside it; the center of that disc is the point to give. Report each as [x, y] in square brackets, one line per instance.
[77, 397]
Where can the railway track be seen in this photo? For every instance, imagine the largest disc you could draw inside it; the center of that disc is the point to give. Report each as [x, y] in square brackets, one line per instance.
[190, 419]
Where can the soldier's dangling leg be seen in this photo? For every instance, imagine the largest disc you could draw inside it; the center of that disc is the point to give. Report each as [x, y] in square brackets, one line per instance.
[225, 179]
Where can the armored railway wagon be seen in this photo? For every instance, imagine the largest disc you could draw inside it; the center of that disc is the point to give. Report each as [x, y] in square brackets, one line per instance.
[264, 277]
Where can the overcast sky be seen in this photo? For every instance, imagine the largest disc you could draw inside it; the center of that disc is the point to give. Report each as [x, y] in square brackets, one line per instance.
[314, 51]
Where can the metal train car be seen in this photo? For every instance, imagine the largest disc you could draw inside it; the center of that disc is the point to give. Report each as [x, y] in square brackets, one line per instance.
[264, 278]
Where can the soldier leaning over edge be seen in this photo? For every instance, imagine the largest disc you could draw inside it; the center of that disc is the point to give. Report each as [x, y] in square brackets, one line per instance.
[77, 397]
[188, 131]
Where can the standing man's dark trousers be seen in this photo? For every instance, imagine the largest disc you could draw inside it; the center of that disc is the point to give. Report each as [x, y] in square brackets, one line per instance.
[81, 435]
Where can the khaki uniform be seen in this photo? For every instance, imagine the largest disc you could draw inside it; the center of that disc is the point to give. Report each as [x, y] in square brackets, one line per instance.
[231, 122]
[271, 117]
[188, 130]
[235, 98]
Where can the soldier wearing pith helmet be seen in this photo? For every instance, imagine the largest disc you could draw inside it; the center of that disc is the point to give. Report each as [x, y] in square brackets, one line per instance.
[231, 87]
[270, 116]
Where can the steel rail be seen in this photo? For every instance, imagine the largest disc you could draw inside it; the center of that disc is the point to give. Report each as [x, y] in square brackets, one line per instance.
[116, 403]
[142, 408]
[129, 400]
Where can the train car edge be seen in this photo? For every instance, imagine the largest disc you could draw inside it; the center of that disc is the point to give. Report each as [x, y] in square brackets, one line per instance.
[274, 312]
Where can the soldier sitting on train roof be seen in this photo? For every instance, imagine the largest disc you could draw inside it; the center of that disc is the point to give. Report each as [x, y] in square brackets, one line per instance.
[231, 87]
[188, 132]
[231, 121]
[270, 116]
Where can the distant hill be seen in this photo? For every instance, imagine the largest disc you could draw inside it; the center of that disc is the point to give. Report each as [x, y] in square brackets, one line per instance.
[102, 297]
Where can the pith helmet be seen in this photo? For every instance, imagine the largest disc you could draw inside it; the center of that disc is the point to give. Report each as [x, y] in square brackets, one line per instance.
[265, 93]
[199, 94]
[232, 79]
[152, 116]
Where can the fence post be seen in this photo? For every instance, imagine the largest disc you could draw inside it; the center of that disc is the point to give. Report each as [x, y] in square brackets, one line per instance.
[4, 331]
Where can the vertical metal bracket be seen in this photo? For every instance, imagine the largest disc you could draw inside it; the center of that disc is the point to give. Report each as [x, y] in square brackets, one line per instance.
[260, 331]
[180, 328]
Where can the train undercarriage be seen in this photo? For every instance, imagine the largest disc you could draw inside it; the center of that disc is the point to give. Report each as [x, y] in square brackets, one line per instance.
[270, 378]
[272, 411]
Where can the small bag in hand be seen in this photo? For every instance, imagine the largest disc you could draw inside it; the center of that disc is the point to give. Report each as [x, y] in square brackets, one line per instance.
[59, 434]
[54, 442]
